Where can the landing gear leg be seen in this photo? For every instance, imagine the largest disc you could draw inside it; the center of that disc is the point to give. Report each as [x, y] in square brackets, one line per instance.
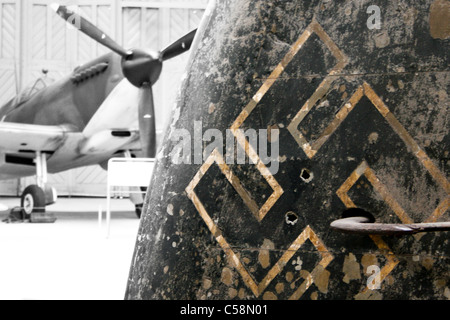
[139, 210]
[36, 197]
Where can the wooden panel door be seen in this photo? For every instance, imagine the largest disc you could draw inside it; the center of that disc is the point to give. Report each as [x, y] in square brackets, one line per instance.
[9, 65]
[9, 49]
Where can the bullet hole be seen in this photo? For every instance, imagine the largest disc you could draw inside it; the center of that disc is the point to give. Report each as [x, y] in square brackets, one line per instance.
[291, 218]
[306, 175]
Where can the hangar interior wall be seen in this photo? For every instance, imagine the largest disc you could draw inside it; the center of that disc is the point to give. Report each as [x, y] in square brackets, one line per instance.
[33, 38]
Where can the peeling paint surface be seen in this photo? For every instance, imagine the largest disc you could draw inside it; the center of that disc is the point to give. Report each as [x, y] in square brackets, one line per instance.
[440, 19]
[363, 120]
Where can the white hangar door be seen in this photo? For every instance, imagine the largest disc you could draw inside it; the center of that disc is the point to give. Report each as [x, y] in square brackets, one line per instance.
[154, 26]
[9, 47]
[34, 38]
[9, 64]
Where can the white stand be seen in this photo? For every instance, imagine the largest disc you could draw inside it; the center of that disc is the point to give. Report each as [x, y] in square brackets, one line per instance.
[126, 172]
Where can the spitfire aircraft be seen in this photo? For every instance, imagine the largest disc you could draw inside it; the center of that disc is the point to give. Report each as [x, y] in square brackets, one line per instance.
[104, 108]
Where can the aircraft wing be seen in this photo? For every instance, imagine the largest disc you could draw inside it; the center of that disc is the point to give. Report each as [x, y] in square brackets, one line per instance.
[30, 137]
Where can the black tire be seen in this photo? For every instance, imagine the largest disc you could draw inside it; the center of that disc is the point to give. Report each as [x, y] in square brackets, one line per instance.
[32, 200]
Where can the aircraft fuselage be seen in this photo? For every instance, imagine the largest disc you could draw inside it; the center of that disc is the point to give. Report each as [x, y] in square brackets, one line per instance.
[79, 101]
[68, 102]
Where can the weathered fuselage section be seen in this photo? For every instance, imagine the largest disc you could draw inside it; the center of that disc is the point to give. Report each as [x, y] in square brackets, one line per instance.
[352, 99]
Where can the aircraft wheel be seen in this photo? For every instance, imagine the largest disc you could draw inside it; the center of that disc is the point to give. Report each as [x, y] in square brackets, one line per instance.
[33, 200]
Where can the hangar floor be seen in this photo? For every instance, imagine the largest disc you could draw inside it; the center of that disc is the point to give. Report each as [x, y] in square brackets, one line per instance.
[71, 259]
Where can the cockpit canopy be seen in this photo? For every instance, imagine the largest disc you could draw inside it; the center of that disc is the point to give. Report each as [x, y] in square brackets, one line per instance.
[33, 89]
[27, 93]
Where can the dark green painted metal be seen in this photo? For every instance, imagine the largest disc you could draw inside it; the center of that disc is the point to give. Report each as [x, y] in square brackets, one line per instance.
[205, 243]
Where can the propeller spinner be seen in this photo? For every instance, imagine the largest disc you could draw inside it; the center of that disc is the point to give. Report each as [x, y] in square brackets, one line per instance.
[142, 69]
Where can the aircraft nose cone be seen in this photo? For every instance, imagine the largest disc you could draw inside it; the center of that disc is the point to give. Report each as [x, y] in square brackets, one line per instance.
[142, 68]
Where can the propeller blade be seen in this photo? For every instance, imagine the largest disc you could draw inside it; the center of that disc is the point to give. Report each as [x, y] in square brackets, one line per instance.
[16, 77]
[90, 30]
[178, 47]
[147, 124]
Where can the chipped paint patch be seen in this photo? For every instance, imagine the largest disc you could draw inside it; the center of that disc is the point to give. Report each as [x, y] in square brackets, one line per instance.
[206, 284]
[170, 210]
[269, 296]
[373, 137]
[351, 269]
[264, 253]
[321, 278]
[440, 19]
[227, 276]
[382, 40]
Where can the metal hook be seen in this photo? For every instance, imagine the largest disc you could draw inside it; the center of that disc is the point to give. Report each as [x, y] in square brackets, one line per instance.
[363, 225]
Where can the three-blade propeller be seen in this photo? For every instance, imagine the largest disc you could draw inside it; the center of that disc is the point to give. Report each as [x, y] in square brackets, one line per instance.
[142, 69]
